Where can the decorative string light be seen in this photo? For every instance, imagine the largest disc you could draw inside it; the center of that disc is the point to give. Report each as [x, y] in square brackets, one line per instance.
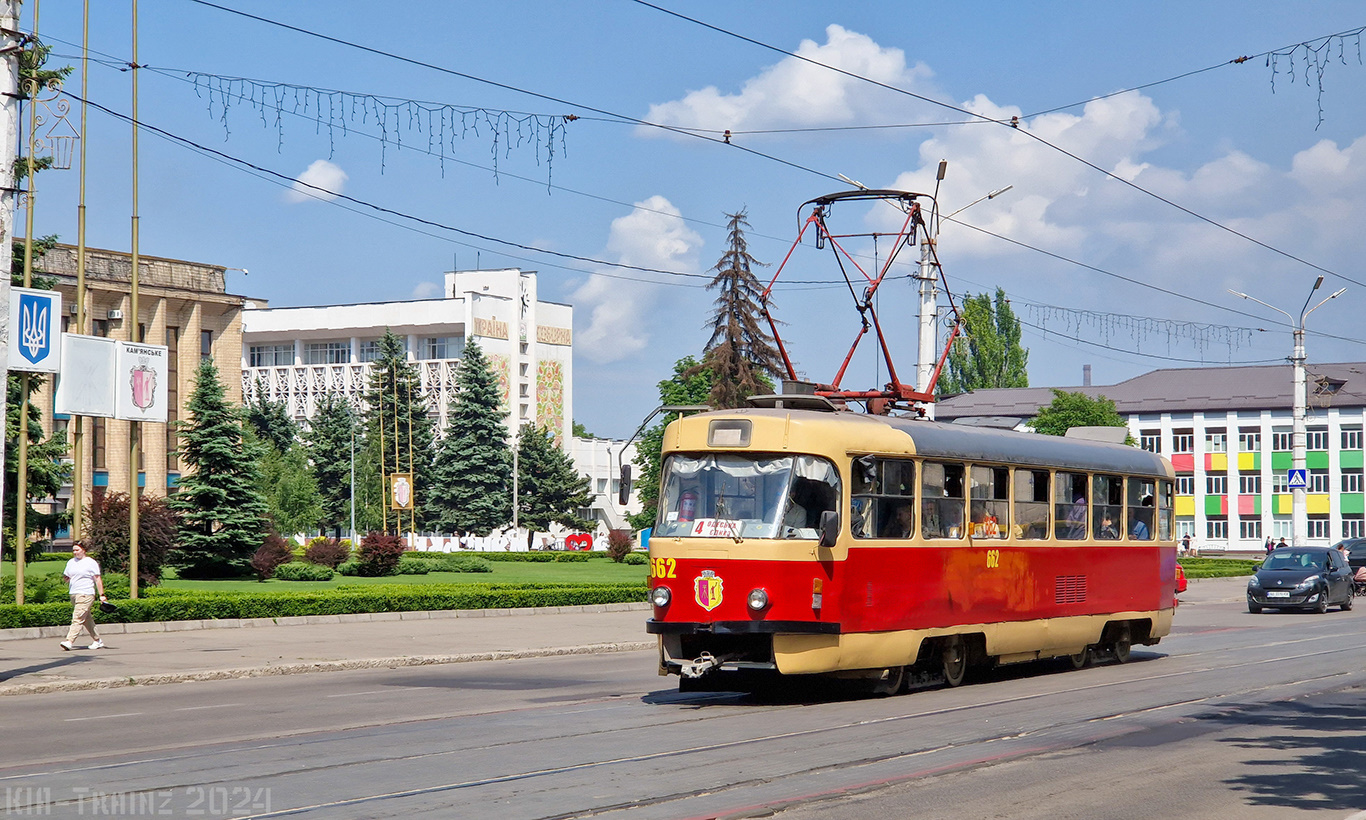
[1141, 329]
[1315, 56]
[440, 124]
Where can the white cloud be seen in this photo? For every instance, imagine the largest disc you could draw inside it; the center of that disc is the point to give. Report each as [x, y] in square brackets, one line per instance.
[795, 93]
[322, 180]
[617, 309]
[427, 290]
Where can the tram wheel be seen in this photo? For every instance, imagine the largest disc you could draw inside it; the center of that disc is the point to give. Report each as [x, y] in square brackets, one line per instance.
[955, 657]
[1082, 659]
[1120, 649]
[892, 682]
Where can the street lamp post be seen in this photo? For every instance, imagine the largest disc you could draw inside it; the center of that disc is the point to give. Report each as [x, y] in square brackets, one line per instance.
[1299, 513]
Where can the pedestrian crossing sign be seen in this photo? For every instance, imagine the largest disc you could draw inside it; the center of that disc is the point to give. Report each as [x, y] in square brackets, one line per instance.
[1299, 480]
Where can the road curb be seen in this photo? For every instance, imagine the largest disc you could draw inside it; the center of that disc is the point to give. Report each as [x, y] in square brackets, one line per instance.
[33, 632]
[318, 666]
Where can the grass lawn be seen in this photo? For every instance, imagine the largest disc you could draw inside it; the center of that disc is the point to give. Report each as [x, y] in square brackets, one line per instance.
[594, 571]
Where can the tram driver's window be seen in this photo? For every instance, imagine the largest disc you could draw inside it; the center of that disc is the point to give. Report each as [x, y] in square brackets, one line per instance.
[1107, 518]
[883, 497]
[1070, 506]
[941, 512]
[1031, 504]
[815, 489]
[990, 511]
[1140, 498]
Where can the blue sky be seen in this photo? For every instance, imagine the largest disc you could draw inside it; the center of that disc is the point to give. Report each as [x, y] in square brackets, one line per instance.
[1223, 143]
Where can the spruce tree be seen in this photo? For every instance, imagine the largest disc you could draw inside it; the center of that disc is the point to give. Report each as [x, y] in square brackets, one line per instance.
[398, 429]
[222, 514]
[549, 489]
[740, 354]
[271, 422]
[332, 435]
[472, 473]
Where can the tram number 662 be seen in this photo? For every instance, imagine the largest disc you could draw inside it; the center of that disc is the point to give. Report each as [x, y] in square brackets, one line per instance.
[993, 559]
[663, 567]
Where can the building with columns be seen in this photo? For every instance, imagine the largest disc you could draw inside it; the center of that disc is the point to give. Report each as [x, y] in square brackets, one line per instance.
[295, 355]
[1227, 432]
[182, 305]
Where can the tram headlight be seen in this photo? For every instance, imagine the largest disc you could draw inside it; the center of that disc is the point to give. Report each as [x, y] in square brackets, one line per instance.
[659, 596]
[758, 599]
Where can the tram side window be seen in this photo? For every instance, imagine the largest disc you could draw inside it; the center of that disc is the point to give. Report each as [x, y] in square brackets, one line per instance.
[815, 489]
[1031, 504]
[1164, 510]
[1140, 497]
[941, 513]
[990, 512]
[1108, 517]
[883, 497]
[1070, 506]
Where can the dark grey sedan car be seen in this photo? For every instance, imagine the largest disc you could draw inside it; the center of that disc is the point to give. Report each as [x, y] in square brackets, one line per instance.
[1301, 578]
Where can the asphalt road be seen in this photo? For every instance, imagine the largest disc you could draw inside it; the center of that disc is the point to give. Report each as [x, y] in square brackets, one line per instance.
[1234, 715]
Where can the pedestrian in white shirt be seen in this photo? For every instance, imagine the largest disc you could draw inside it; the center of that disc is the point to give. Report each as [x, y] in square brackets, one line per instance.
[82, 575]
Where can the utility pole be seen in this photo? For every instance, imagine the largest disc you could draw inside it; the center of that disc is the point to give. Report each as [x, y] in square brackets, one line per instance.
[9, 152]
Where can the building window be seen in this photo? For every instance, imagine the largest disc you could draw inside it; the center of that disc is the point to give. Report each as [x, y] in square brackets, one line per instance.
[100, 434]
[1353, 527]
[1150, 440]
[1184, 528]
[1250, 528]
[1185, 485]
[442, 347]
[1318, 527]
[1280, 527]
[368, 350]
[1249, 440]
[1216, 441]
[1249, 484]
[1316, 439]
[101, 327]
[1351, 481]
[206, 344]
[1216, 484]
[172, 398]
[1216, 529]
[1280, 483]
[1282, 440]
[327, 353]
[1183, 441]
[1318, 481]
[1351, 438]
[270, 355]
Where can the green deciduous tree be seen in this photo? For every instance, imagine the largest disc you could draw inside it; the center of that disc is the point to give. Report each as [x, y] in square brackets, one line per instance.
[290, 490]
[988, 354]
[472, 472]
[740, 354]
[549, 489]
[690, 384]
[332, 433]
[398, 431]
[222, 514]
[1069, 410]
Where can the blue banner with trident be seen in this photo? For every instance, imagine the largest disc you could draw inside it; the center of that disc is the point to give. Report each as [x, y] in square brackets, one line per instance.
[35, 330]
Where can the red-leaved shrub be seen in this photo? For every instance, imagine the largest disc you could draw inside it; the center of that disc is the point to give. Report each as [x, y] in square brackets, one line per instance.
[270, 555]
[379, 554]
[326, 552]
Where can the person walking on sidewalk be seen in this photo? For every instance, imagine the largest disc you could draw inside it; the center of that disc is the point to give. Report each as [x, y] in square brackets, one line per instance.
[82, 575]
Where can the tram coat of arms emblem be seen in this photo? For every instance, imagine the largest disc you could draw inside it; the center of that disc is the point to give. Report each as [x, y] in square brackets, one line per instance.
[707, 590]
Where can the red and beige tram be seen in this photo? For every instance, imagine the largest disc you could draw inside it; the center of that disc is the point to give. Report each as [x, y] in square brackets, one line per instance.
[797, 539]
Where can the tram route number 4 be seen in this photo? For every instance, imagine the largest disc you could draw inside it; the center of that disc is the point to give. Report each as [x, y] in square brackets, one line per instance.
[715, 528]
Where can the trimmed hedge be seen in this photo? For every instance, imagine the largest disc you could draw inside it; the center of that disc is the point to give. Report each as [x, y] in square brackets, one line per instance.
[530, 557]
[1217, 567]
[341, 601]
[302, 571]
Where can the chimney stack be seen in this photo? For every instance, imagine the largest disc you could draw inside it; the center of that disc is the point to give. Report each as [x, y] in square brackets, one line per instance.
[1086, 375]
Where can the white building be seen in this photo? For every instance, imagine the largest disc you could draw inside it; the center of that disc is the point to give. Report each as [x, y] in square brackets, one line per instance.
[601, 460]
[295, 355]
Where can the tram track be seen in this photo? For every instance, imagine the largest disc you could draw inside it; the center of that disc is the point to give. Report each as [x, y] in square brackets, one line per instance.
[631, 702]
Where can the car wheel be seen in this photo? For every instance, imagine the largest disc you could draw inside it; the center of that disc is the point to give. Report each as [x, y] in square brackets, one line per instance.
[1255, 609]
[1322, 606]
[1346, 604]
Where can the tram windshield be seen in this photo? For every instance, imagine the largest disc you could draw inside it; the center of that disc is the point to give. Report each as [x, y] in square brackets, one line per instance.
[743, 496]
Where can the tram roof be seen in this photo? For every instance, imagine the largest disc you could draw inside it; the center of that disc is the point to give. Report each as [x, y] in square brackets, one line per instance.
[962, 442]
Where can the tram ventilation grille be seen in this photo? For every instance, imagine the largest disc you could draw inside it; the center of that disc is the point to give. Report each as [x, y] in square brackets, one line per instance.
[1070, 589]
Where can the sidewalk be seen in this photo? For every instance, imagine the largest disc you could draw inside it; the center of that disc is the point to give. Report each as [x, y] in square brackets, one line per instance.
[1215, 590]
[233, 649]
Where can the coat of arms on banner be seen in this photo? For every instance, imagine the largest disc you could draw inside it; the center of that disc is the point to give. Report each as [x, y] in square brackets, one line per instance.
[401, 491]
[35, 327]
[143, 380]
